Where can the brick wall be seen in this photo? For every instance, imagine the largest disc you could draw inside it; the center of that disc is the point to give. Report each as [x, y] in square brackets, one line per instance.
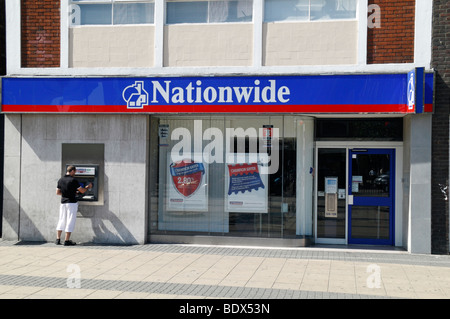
[40, 33]
[440, 135]
[2, 39]
[393, 42]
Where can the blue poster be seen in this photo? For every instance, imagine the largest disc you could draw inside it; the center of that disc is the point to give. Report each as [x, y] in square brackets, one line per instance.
[246, 187]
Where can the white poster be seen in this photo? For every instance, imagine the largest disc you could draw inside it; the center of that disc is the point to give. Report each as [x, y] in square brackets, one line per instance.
[246, 188]
[187, 182]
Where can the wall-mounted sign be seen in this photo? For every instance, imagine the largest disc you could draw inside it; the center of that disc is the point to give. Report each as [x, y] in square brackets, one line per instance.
[358, 93]
[267, 135]
[411, 90]
[163, 134]
[416, 91]
[85, 170]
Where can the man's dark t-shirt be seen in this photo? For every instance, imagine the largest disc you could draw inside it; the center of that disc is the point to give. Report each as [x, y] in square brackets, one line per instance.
[68, 186]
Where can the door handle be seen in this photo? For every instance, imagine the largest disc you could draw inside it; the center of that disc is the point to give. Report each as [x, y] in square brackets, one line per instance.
[350, 199]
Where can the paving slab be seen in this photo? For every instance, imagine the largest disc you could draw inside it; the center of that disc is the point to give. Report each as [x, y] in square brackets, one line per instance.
[161, 271]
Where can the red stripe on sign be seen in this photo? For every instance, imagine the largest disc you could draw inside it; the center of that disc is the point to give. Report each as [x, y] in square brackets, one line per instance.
[350, 108]
[428, 108]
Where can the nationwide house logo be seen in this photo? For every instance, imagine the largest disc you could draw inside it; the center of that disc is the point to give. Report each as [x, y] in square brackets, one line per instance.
[197, 92]
[135, 95]
[411, 91]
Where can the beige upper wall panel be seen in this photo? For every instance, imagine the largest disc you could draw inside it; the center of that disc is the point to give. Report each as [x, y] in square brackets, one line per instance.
[190, 45]
[310, 43]
[111, 46]
[208, 45]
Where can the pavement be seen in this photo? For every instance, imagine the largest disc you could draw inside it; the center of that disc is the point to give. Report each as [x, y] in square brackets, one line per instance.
[186, 272]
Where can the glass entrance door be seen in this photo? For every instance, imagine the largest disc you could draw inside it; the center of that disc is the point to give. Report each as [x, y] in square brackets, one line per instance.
[371, 196]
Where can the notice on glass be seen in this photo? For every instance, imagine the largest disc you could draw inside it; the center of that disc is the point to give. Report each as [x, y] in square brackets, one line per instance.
[331, 185]
[356, 180]
[163, 133]
[187, 186]
[246, 187]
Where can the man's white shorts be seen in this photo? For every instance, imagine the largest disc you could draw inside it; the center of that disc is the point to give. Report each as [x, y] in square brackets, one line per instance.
[67, 217]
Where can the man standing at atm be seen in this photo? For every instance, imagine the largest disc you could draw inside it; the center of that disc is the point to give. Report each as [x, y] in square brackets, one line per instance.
[68, 187]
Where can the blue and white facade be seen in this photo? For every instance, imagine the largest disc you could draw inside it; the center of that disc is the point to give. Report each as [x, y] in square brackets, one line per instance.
[240, 122]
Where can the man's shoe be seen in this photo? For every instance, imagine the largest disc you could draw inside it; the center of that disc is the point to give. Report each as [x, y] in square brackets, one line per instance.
[58, 241]
[69, 243]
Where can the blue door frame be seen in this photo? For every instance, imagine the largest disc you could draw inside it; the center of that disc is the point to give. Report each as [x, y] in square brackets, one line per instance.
[388, 201]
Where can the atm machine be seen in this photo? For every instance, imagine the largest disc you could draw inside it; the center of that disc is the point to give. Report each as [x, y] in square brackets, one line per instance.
[86, 174]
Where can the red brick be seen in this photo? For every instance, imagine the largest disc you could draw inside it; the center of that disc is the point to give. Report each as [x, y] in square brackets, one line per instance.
[40, 32]
[394, 41]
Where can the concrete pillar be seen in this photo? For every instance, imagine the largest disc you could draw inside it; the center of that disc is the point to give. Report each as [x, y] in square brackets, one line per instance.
[419, 221]
[305, 151]
[11, 179]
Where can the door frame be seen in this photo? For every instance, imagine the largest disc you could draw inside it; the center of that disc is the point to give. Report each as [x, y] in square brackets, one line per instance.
[398, 202]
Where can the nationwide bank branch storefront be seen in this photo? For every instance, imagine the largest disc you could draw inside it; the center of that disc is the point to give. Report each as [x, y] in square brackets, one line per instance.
[271, 160]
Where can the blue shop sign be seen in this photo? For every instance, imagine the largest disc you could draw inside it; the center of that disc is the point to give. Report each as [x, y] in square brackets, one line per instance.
[362, 93]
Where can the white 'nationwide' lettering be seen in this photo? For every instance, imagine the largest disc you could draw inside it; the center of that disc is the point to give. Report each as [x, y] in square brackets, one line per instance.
[222, 94]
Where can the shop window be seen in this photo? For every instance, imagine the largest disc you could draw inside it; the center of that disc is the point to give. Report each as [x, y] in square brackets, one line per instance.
[309, 10]
[108, 12]
[226, 176]
[209, 11]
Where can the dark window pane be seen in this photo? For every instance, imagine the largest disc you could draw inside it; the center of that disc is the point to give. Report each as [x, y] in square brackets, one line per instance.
[187, 12]
[370, 222]
[389, 129]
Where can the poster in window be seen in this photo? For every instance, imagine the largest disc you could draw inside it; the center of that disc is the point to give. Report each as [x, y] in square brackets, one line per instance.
[267, 135]
[187, 186]
[246, 185]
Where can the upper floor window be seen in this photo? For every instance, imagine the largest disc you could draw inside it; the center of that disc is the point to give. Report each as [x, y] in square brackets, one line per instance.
[107, 12]
[213, 11]
[309, 10]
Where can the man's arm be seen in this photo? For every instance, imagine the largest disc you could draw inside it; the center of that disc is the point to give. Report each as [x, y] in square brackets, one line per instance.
[83, 190]
[58, 191]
